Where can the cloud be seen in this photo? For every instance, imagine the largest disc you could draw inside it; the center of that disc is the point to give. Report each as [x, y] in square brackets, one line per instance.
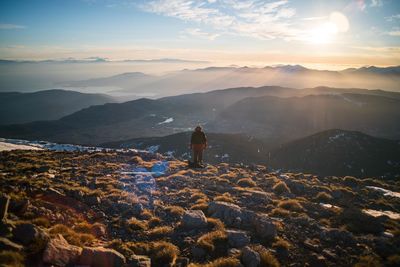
[394, 33]
[199, 33]
[11, 27]
[258, 19]
[393, 18]
[376, 3]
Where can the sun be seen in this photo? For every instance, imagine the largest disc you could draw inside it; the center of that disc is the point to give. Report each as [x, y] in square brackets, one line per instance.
[327, 31]
[324, 33]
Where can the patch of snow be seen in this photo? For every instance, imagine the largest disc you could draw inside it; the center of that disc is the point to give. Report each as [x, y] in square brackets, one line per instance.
[169, 120]
[153, 149]
[329, 206]
[9, 146]
[378, 213]
[333, 138]
[385, 192]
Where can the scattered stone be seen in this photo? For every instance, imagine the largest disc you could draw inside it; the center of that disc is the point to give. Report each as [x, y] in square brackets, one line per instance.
[265, 227]
[101, 257]
[194, 219]
[250, 258]
[229, 213]
[60, 253]
[311, 246]
[237, 238]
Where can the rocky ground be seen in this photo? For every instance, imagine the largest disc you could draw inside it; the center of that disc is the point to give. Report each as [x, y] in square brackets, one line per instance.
[142, 209]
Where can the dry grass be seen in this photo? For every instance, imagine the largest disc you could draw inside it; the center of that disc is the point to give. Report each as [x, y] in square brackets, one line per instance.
[41, 221]
[221, 262]
[323, 197]
[175, 211]
[11, 259]
[211, 240]
[215, 224]
[200, 206]
[291, 204]
[281, 244]
[161, 231]
[278, 212]
[246, 182]
[267, 259]
[73, 238]
[368, 261]
[163, 254]
[281, 188]
[225, 197]
[134, 224]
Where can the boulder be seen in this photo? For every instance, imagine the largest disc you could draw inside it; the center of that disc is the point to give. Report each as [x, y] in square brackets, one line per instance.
[229, 213]
[4, 202]
[101, 257]
[139, 261]
[250, 258]
[58, 252]
[25, 233]
[265, 227]
[237, 238]
[194, 219]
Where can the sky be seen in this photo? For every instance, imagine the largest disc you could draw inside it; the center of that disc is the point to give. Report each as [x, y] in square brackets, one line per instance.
[245, 32]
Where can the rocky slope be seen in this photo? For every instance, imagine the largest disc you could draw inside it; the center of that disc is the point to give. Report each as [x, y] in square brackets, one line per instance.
[130, 208]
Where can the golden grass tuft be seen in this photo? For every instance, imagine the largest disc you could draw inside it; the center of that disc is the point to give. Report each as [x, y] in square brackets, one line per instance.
[134, 224]
[281, 188]
[220, 262]
[11, 259]
[225, 197]
[73, 238]
[291, 204]
[211, 240]
[160, 231]
[246, 182]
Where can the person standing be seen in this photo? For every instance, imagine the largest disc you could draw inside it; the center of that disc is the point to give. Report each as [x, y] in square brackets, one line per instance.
[198, 143]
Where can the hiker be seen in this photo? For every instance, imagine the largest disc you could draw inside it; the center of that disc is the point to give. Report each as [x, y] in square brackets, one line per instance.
[198, 143]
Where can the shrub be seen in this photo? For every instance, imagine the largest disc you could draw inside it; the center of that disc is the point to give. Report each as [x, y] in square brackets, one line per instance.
[163, 254]
[267, 259]
[41, 221]
[11, 259]
[73, 238]
[215, 224]
[175, 211]
[210, 241]
[368, 261]
[278, 212]
[246, 182]
[161, 231]
[291, 204]
[281, 244]
[323, 197]
[134, 224]
[221, 262]
[225, 197]
[351, 181]
[281, 188]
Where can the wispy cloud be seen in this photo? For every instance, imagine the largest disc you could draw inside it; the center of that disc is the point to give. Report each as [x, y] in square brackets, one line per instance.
[393, 18]
[259, 19]
[376, 3]
[199, 33]
[11, 26]
[394, 32]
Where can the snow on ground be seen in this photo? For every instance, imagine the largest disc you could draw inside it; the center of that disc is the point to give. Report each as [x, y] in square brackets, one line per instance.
[8, 146]
[378, 213]
[169, 120]
[385, 192]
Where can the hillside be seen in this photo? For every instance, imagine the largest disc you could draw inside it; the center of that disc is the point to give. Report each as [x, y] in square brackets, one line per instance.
[45, 105]
[232, 148]
[130, 208]
[338, 152]
[270, 113]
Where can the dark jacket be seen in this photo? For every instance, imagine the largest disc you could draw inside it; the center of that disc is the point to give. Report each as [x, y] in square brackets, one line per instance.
[198, 138]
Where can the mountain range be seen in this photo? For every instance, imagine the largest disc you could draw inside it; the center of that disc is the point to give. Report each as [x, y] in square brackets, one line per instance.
[212, 78]
[45, 105]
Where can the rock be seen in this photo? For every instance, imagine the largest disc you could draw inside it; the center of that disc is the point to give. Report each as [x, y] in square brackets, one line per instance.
[182, 262]
[237, 239]
[194, 219]
[309, 245]
[4, 202]
[338, 236]
[198, 253]
[229, 213]
[101, 257]
[99, 230]
[330, 255]
[265, 227]
[250, 258]
[25, 233]
[6, 244]
[139, 261]
[93, 200]
[317, 260]
[60, 253]
[137, 208]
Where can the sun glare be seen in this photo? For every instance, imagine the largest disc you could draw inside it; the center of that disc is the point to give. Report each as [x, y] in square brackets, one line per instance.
[327, 31]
